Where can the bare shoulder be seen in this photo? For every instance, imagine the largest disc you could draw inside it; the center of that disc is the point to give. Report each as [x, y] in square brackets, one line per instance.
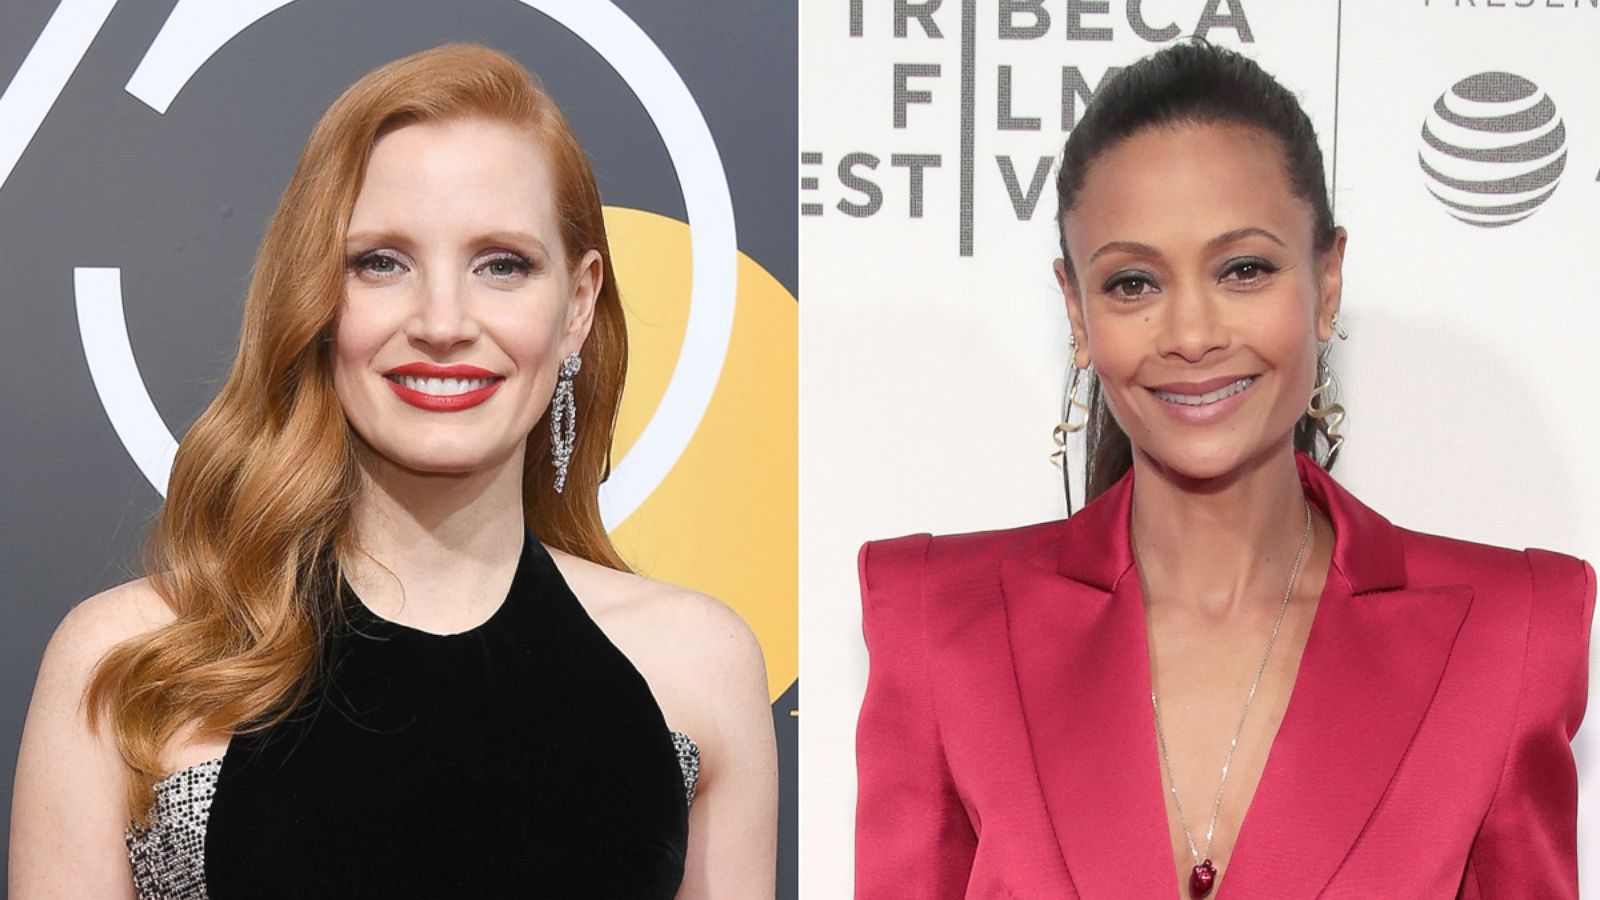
[96, 625]
[699, 657]
[68, 806]
[699, 629]
[86, 634]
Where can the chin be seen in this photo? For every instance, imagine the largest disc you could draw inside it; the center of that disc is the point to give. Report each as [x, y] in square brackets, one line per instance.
[446, 466]
[1201, 461]
[439, 458]
[433, 464]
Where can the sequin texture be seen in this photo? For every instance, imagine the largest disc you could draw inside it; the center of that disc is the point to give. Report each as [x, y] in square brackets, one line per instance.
[168, 855]
[689, 762]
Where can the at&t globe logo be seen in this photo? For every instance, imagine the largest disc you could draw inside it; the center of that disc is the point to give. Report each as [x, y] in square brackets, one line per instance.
[1493, 149]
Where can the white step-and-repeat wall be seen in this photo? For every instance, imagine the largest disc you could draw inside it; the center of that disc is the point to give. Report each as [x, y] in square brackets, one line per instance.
[933, 337]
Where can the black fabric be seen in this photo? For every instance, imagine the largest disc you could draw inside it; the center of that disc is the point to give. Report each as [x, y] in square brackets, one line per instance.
[524, 758]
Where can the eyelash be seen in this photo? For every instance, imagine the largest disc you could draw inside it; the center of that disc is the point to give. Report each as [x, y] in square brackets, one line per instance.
[1234, 267]
[1117, 281]
[521, 265]
[1263, 268]
[364, 262]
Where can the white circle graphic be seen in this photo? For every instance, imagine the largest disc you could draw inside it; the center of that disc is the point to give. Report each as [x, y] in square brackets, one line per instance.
[196, 30]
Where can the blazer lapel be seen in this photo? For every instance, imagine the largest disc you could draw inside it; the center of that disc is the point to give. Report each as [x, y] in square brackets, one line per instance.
[1082, 664]
[1372, 663]
[1371, 666]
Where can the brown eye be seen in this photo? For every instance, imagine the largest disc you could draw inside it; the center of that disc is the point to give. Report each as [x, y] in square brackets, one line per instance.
[1129, 287]
[1249, 271]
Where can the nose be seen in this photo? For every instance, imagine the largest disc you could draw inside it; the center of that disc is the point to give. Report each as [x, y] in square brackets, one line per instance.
[1193, 326]
[442, 317]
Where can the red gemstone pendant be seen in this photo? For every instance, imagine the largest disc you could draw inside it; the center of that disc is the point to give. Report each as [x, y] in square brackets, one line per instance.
[1202, 879]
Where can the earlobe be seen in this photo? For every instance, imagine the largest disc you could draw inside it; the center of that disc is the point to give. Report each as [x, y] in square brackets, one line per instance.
[1328, 324]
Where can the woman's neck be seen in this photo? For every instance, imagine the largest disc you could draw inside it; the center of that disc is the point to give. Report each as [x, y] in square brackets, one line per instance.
[430, 543]
[1220, 545]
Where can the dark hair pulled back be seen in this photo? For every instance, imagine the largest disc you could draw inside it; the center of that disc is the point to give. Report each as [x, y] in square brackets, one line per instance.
[1191, 83]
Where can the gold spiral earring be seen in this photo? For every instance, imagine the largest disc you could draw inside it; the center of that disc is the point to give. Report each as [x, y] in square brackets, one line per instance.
[1069, 404]
[1330, 414]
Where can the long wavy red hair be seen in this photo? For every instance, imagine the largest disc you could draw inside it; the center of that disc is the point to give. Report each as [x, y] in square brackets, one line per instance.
[246, 550]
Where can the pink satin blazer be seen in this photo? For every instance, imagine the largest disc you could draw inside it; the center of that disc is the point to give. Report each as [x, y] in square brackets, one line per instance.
[1006, 746]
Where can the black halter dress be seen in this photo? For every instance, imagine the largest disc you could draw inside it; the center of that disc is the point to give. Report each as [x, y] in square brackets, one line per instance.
[523, 758]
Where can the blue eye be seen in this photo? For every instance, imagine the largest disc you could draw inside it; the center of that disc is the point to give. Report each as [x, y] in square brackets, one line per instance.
[377, 263]
[506, 265]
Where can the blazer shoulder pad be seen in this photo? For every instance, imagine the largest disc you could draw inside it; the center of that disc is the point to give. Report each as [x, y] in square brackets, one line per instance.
[985, 549]
[1432, 560]
[895, 570]
[891, 562]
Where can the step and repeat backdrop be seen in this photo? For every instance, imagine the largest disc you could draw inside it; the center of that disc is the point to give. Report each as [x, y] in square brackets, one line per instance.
[143, 145]
[1463, 146]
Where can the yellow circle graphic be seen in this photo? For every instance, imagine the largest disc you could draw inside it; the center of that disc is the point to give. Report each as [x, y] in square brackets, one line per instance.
[725, 520]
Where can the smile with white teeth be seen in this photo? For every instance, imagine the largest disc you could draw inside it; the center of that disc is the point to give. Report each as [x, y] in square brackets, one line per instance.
[1221, 393]
[441, 387]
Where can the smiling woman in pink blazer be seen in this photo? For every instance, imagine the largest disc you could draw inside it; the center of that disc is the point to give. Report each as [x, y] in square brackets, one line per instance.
[1224, 676]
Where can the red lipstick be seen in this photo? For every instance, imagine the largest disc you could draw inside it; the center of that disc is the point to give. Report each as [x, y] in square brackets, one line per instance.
[424, 385]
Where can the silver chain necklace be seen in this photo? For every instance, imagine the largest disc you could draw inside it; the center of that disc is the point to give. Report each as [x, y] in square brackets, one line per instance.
[1204, 874]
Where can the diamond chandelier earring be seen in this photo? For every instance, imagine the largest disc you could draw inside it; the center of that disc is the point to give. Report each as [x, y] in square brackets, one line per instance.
[1069, 405]
[564, 420]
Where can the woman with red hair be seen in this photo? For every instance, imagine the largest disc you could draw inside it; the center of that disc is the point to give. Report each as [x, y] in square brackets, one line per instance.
[386, 647]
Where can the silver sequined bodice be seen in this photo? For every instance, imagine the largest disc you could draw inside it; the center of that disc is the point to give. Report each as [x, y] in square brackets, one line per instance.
[168, 856]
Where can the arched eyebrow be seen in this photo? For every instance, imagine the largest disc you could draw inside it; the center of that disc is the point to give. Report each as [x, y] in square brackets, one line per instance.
[1223, 239]
[512, 238]
[1133, 247]
[1228, 237]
